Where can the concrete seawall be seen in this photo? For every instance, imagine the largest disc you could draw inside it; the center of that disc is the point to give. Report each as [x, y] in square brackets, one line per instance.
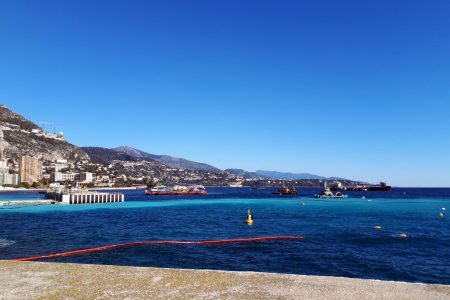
[38, 280]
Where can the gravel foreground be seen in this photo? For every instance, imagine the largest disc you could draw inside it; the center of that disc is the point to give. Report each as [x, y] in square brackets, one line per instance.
[40, 280]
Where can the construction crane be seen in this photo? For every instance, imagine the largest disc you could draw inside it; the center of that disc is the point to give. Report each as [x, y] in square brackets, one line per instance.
[50, 125]
[43, 124]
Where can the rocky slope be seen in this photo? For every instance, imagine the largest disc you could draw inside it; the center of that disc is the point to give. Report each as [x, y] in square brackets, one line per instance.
[106, 156]
[19, 140]
[137, 165]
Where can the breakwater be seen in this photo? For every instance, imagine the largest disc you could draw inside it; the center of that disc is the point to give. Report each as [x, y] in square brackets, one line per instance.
[85, 197]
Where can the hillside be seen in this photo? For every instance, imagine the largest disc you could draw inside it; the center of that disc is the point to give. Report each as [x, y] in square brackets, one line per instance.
[245, 174]
[173, 162]
[140, 165]
[105, 156]
[20, 140]
[11, 119]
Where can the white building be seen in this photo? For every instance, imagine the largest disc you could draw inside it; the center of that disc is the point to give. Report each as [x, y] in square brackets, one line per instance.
[85, 177]
[60, 164]
[58, 176]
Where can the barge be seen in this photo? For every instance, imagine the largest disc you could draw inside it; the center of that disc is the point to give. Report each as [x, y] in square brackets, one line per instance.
[284, 190]
[176, 190]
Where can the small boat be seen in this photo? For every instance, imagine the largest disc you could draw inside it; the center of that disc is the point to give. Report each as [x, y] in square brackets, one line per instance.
[327, 193]
[284, 190]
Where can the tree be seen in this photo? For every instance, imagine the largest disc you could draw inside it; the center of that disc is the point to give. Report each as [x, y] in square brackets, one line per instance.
[151, 183]
[24, 185]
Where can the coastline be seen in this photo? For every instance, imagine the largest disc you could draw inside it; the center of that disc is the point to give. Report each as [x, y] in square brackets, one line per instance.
[44, 280]
[8, 189]
[118, 188]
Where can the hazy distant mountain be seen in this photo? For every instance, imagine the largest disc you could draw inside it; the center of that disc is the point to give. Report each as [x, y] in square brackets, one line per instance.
[245, 174]
[337, 178]
[173, 162]
[287, 175]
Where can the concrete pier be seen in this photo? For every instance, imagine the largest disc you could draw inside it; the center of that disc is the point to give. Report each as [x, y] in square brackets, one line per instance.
[86, 197]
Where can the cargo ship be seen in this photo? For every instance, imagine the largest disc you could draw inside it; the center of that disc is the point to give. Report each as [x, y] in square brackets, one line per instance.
[382, 187]
[176, 190]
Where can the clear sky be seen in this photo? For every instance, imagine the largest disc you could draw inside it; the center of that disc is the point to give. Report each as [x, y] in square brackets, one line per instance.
[357, 89]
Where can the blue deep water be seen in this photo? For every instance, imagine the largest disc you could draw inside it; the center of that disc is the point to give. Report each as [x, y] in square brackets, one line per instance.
[339, 236]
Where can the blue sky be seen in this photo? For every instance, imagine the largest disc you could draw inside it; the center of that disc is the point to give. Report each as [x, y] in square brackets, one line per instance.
[357, 89]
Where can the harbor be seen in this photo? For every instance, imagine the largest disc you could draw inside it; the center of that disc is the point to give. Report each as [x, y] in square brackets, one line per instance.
[420, 228]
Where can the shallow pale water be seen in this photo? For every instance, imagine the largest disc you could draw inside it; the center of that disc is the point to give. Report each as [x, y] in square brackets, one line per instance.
[339, 236]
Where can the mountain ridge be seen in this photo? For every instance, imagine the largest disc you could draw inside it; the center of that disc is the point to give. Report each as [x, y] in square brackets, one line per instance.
[293, 176]
[171, 161]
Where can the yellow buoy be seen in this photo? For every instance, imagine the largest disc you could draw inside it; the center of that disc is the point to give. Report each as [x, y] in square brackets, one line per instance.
[440, 215]
[377, 227]
[402, 235]
[249, 220]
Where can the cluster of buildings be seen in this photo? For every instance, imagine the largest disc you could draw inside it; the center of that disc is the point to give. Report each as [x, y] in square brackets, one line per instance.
[138, 171]
[30, 171]
[5, 176]
[56, 136]
[83, 178]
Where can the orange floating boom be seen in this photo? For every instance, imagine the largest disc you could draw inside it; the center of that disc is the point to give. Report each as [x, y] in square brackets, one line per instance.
[211, 242]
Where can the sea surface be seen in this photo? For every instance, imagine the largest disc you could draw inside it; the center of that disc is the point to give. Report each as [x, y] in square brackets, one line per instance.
[339, 234]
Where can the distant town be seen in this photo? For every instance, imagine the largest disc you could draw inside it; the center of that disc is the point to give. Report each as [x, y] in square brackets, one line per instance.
[32, 172]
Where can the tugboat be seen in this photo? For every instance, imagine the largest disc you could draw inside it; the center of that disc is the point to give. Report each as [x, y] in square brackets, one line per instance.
[327, 193]
[284, 190]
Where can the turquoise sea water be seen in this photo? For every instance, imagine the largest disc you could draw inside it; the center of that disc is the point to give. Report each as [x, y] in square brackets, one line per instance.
[340, 238]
